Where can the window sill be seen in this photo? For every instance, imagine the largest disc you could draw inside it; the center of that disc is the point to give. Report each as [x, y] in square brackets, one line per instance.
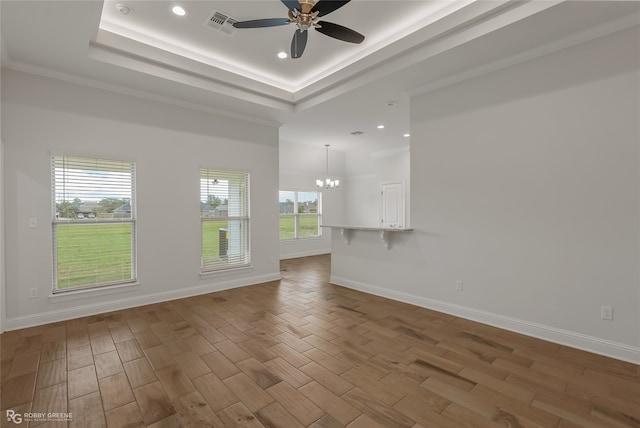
[86, 293]
[213, 273]
[306, 238]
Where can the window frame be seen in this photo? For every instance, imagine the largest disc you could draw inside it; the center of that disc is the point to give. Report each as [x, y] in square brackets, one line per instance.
[56, 222]
[296, 215]
[244, 260]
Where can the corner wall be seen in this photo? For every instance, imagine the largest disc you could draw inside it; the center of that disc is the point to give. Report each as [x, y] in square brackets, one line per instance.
[169, 144]
[526, 187]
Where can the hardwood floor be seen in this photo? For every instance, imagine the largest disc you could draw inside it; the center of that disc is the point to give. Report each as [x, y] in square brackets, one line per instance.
[302, 353]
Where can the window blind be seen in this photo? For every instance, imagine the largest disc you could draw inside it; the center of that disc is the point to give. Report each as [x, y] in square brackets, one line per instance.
[224, 218]
[93, 210]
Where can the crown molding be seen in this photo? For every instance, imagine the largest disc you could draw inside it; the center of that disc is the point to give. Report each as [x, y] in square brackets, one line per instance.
[11, 64]
[593, 33]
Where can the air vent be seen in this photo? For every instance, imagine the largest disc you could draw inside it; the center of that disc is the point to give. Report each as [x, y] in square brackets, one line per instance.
[221, 22]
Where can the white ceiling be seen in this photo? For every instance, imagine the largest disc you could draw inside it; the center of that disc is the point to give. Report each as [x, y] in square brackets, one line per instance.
[252, 52]
[334, 89]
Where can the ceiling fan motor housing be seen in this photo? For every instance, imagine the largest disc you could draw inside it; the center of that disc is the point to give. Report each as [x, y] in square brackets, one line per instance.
[304, 21]
[307, 4]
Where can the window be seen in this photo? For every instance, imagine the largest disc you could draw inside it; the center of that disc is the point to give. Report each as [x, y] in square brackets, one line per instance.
[224, 217]
[300, 214]
[94, 221]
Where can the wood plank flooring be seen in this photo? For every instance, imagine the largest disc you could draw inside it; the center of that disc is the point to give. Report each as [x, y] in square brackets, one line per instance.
[303, 353]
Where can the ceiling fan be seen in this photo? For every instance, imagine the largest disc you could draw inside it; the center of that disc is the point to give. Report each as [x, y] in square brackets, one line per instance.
[305, 14]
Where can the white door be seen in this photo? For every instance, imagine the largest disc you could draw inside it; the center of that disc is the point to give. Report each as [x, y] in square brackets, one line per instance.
[392, 205]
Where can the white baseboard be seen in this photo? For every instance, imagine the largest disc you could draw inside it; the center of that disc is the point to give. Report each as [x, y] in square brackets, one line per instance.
[572, 339]
[125, 303]
[304, 254]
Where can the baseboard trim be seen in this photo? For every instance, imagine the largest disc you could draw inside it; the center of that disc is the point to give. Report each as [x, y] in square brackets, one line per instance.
[304, 254]
[572, 339]
[126, 303]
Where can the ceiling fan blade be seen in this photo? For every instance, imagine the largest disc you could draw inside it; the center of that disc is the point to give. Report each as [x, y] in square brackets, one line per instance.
[298, 43]
[327, 6]
[339, 32]
[260, 23]
[291, 4]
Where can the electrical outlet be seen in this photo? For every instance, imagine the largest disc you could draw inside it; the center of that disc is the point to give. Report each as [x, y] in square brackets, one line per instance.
[33, 293]
[459, 285]
[606, 312]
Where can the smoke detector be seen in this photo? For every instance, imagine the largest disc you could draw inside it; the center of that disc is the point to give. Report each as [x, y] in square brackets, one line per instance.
[123, 8]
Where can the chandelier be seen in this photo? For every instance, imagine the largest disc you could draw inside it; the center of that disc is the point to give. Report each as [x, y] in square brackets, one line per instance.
[328, 183]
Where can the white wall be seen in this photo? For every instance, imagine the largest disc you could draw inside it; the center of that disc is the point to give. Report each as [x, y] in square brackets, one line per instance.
[526, 186]
[367, 171]
[168, 144]
[2, 263]
[2, 236]
[300, 166]
[362, 200]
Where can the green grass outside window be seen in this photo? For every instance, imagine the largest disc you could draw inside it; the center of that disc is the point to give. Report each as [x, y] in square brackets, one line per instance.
[93, 254]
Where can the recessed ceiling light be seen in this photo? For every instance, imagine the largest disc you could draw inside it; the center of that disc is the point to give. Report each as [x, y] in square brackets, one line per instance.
[407, 135]
[380, 126]
[178, 10]
[357, 133]
[391, 103]
[123, 9]
[282, 55]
